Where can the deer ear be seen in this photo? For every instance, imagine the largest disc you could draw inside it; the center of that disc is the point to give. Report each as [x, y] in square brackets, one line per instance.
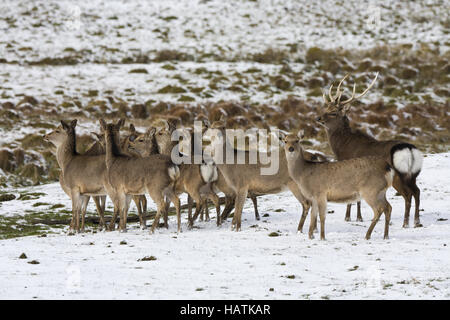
[281, 135]
[301, 134]
[206, 123]
[151, 131]
[166, 125]
[132, 128]
[102, 124]
[73, 123]
[64, 125]
[120, 123]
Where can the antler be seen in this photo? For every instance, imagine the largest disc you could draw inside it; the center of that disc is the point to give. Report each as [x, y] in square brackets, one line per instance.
[338, 92]
[353, 98]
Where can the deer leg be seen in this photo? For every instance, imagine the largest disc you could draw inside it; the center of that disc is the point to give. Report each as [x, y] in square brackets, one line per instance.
[112, 223]
[348, 212]
[76, 207]
[215, 199]
[322, 206]
[198, 205]
[126, 199]
[190, 205]
[137, 202]
[313, 223]
[416, 194]
[176, 202]
[239, 206]
[100, 211]
[378, 208]
[229, 204]
[306, 207]
[404, 191]
[358, 214]
[206, 210]
[255, 205]
[166, 213]
[143, 201]
[387, 214]
[158, 198]
[84, 203]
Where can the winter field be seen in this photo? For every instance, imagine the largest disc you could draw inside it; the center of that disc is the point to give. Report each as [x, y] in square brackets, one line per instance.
[260, 64]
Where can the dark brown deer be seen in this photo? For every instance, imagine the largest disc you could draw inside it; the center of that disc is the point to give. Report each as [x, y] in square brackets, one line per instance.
[348, 143]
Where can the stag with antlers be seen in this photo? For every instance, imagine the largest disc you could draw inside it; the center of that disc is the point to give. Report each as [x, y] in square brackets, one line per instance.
[348, 143]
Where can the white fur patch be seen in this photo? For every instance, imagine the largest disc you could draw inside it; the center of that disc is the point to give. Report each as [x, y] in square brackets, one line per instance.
[418, 160]
[402, 160]
[408, 161]
[209, 172]
[174, 172]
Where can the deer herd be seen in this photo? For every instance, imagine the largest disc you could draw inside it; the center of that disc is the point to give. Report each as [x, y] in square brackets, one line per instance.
[138, 164]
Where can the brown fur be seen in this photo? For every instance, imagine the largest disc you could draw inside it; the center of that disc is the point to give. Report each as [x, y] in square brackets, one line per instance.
[129, 176]
[348, 143]
[342, 181]
[245, 178]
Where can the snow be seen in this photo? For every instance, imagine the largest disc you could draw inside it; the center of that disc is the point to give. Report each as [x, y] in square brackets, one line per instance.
[216, 263]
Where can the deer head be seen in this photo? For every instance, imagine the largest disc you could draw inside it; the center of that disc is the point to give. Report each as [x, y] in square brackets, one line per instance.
[60, 134]
[336, 110]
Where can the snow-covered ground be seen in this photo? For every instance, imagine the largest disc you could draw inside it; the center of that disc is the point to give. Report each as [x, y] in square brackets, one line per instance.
[215, 263]
[111, 30]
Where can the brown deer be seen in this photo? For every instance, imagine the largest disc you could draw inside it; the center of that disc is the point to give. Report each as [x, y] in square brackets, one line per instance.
[99, 147]
[341, 181]
[128, 176]
[81, 176]
[194, 178]
[347, 143]
[246, 177]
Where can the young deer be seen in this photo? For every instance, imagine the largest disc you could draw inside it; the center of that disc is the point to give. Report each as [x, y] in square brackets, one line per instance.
[347, 143]
[194, 179]
[81, 176]
[245, 178]
[341, 181]
[140, 201]
[128, 176]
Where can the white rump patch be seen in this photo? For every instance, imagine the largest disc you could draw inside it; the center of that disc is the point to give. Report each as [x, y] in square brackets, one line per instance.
[408, 161]
[417, 162]
[402, 160]
[209, 172]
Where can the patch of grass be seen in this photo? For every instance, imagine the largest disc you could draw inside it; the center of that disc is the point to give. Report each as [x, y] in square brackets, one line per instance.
[171, 89]
[148, 258]
[139, 70]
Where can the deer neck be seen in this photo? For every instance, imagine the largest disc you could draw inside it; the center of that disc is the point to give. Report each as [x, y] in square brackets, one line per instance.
[112, 148]
[338, 138]
[66, 151]
[297, 164]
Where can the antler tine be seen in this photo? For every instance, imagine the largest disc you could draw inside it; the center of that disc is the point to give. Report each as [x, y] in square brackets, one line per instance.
[330, 95]
[368, 88]
[338, 90]
[352, 97]
[362, 94]
[324, 97]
